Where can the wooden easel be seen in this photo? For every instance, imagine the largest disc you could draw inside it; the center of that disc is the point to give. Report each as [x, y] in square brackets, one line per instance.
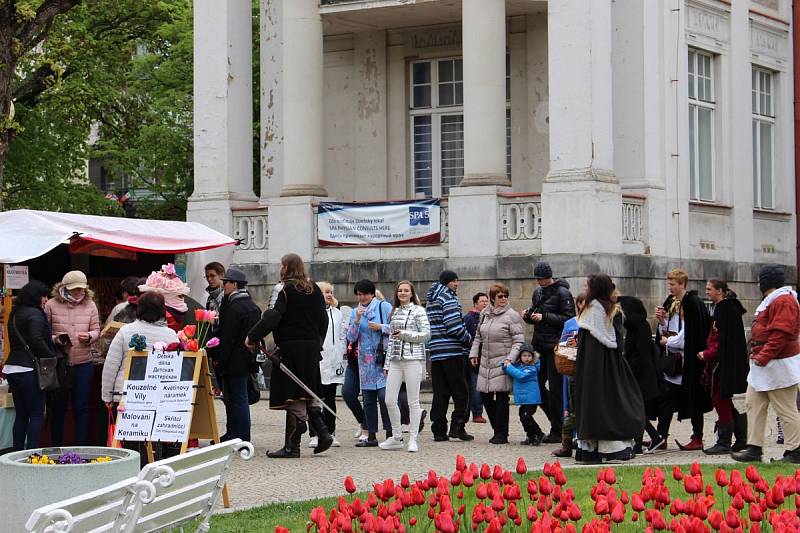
[203, 413]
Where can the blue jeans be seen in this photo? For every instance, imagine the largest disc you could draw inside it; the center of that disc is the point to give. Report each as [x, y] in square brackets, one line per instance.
[237, 410]
[29, 403]
[78, 395]
[371, 398]
[475, 400]
[350, 390]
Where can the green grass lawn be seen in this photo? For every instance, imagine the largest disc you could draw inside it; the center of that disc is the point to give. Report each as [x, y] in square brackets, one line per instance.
[294, 515]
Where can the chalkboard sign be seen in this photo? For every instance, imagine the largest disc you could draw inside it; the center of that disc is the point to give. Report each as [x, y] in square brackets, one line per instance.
[139, 365]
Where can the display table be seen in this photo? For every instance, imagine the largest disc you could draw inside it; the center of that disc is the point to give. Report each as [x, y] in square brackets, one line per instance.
[7, 417]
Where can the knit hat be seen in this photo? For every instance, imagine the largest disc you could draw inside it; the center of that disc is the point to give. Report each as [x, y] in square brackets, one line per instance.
[447, 276]
[75, 279]
[542, 270]
[771, 277]
[527, 347]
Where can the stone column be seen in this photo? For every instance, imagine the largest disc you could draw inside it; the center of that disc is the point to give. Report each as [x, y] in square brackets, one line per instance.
[473, 210]
[301, 48]
[581, 198]
[484, 49]
[223, 115]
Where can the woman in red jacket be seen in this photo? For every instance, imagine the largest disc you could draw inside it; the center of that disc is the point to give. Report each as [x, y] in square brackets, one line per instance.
[774, 366]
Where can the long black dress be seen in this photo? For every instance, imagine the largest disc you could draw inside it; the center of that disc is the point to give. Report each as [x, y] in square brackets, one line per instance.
[608, 403]
[298, 322]
[731, 373]
[641, 352]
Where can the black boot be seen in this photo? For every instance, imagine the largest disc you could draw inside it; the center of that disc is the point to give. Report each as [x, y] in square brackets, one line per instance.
[751, 454]
[291, 446]
[457, 431]
[324, 439]
[723, 445]
[790, 457]
[740, 432]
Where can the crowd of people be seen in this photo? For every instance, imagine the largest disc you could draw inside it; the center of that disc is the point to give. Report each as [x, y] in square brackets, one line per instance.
[602, 376]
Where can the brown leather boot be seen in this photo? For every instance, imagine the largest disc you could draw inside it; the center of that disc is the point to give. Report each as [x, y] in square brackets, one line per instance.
[566, 448]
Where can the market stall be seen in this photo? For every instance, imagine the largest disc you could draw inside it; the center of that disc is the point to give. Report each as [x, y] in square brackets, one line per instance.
[44, 245]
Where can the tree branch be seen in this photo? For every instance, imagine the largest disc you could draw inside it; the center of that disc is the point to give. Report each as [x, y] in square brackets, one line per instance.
[32, 32]
[29, 90]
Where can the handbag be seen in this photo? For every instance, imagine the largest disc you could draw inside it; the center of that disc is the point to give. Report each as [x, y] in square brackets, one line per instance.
[112, 429]
[45, 367]
[351, 353]
[253, 392]
[672, 362]
[380, 349]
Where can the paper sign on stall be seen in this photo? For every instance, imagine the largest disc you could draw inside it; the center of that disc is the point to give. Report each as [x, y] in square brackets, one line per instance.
[164, 366]
[176, 396]
[171, 427]
[142, 395]
[134, 425]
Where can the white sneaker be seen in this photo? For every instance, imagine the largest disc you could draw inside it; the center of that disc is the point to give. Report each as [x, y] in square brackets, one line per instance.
[359, 434]
[336, 442]
[391, 444]
[404, 428]
[312, 442]
[363, 438]
[412, 446]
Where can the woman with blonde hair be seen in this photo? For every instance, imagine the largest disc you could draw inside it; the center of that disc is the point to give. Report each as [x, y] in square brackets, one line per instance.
[408, 331]
[332, 365]
[609, 410]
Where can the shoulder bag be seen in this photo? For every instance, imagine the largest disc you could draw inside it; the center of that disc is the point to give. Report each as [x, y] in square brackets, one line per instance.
[480, 344]
[45, 367]
[380, 349]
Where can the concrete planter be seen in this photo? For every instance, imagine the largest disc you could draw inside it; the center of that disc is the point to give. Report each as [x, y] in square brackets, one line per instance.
[26, 487]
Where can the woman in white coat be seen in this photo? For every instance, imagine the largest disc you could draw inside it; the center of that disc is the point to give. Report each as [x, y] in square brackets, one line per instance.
[332, 365]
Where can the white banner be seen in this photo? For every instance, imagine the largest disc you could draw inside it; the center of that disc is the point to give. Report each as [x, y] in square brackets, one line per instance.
[405, 223]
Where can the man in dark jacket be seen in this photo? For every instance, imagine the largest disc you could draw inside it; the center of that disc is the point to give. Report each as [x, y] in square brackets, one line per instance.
[238, 314]
[551, 306]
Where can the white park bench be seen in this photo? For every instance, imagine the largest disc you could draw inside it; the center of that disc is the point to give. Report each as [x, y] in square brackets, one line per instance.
[167, 493]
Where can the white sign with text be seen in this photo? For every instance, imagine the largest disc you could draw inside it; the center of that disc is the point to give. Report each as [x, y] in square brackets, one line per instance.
[176, 396]
[134, 425]
[142, 395]
[171, 427]
[163, 366]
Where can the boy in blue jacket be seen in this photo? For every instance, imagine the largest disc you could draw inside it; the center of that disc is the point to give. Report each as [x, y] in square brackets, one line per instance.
[526, 391]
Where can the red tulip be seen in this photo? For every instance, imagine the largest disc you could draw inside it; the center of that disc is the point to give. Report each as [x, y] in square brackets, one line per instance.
[547, 469]
[716, 519]
[544, 485]
[761, 486]
[190, 331]
[192, 345]
[755, 528]
[467, 478]
[460, 494]
[677, 474]
[513, 512]
[755, 513]
[522, 468]
[601, 506]
[461, 463]
[618, 513]
[372, 501]
[481, 492]
[695, 469]
[417, 496]
[455, 479]
[658, 521]
[349, 484]
[636, 502]
[498, 504]
[412, 521]
[574, 512]
[508, 477]
[609, 476]
[732, 518]
[498, 473]
[722, 479]
[777, 494]
[752, 474]
[432, 479]
[281, 529]
[486, 471]
[560, 478]
[532, 490]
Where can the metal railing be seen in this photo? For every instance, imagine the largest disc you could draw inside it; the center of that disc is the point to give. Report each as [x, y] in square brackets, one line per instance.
[251, 228]
[521, 217]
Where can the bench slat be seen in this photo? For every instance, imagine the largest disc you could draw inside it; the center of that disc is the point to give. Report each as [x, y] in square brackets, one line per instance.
[173, 516]
[176, 499]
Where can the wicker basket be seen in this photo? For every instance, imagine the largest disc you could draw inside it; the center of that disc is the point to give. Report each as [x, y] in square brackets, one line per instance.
[565, 360]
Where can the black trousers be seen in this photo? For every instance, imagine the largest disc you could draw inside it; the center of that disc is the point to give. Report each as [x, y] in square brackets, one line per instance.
[552, 402]
[329, 397]
[496, 405]
[528, 423]
[448, 377]
[668, 404]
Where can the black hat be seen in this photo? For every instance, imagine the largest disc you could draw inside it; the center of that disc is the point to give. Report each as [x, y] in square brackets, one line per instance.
[447, 276]
[542, 270]
[233, 274]
[771, 277]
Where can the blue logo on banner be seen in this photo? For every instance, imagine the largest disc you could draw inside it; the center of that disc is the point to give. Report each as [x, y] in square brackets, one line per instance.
[419, 216]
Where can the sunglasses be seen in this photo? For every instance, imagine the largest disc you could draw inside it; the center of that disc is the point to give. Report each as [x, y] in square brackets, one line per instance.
[503, 296]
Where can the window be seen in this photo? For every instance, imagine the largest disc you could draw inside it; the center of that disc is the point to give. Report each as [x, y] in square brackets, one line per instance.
[763, 138]
[437, 125]
[701, 125]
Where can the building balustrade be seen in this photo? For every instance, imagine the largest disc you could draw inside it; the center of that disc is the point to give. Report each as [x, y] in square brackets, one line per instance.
[632, 219]
[521, 217]
[251, 228]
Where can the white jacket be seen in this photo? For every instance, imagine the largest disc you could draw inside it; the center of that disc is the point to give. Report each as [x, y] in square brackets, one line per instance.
[113, 370]
[411, 321]
[332, 365]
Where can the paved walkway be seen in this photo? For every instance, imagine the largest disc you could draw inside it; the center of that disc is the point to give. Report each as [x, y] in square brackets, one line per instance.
[262, 480]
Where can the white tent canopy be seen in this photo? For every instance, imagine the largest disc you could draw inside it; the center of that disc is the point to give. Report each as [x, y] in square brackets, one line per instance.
[25, 234]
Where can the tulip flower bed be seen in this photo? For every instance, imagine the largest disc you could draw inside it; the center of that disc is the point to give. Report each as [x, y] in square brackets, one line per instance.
[490, 499]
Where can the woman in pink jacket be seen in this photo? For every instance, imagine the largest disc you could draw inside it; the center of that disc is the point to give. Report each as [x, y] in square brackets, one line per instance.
[75, 324]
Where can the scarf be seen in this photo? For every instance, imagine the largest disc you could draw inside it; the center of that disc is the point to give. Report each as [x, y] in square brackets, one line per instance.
[772, 296]
[175, 301]
[64, 293]
[595, 320]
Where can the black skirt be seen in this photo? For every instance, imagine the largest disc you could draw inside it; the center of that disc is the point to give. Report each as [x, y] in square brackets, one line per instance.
[302, 358]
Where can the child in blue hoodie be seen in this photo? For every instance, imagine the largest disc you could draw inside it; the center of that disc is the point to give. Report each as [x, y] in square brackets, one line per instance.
[526, 391]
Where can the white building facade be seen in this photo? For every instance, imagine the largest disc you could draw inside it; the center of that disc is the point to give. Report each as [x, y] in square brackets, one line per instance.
[629, 136]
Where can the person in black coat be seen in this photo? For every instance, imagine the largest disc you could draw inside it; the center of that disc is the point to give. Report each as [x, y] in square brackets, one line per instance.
[684, 314]
[551, 306]
[238, 314]
[641, 353]
[299, 322]
[726, 366]
[29, 336]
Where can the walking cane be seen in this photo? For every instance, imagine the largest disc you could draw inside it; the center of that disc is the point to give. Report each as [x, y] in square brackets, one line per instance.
[276, 361]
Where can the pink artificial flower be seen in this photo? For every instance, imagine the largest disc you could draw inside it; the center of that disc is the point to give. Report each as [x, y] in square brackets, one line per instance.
[168, 269]
[160, 346]
[213, 342]
[210, 316]
[182, 336]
